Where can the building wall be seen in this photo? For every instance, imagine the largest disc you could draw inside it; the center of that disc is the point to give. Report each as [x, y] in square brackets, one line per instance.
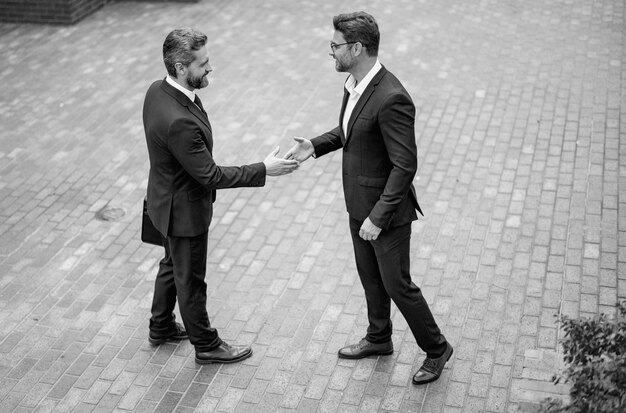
[53, 11]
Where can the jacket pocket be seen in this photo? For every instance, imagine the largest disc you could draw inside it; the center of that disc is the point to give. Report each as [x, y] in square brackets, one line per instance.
[197, 193]
[364, 122]
[371, 182]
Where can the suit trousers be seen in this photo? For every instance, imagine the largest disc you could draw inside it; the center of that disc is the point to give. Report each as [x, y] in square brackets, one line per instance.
[181, 276]
[384, 268]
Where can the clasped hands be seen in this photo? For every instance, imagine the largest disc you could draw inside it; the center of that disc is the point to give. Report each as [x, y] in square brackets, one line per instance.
[303, 150]
[275, 166]
[300, 152]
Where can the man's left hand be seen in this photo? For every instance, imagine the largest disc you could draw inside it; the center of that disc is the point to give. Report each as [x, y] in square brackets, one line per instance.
[369, 231]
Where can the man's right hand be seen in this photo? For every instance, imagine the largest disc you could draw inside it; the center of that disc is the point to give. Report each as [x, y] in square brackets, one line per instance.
[301, 151]
[275, 166]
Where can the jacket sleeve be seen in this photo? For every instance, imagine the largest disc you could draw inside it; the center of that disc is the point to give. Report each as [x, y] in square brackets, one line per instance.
[186, 144]
[397, 126]
[326, 143]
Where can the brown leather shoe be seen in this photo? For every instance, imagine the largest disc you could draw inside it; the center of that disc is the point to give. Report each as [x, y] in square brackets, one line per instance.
[225, 353]
[175, 333]
[364, 348]
[432, 368]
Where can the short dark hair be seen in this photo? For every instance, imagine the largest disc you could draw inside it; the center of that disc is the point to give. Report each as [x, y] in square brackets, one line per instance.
[179, 45]
[359, 27]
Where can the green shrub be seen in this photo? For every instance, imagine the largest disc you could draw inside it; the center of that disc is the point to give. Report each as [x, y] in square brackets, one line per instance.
[595, 350]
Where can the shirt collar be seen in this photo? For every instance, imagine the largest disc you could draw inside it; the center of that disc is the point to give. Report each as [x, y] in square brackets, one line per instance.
[364, 82]
[189, 93]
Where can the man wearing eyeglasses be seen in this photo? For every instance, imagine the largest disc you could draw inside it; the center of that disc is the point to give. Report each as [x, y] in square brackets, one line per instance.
[377, 134]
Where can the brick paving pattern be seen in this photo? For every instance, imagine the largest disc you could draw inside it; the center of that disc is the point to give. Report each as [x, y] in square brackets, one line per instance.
[522, 177]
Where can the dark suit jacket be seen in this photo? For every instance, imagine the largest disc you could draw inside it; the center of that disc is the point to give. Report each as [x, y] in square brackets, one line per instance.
[183, 175]
[379, 153]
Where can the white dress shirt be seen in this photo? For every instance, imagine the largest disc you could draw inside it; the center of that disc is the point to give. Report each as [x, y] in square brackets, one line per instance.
[189, 93]
[356, 92]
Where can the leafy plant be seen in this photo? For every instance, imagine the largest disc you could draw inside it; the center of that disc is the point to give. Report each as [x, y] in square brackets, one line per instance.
[595, 350]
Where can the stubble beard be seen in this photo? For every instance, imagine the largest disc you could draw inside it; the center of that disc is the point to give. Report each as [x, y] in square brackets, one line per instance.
[198, 82]
[342, 67]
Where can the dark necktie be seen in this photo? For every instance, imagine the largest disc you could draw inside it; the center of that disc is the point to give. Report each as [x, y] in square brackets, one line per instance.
[198, 102]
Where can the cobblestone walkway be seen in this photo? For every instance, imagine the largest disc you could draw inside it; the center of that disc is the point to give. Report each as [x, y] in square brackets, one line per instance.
[522, 177]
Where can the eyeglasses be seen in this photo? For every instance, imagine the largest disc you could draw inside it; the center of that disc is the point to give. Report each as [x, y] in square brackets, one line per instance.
[333, 46]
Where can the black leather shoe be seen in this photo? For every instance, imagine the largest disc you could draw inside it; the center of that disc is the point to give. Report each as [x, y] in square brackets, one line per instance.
[364, 348]
[175, 333]
[225, 353]
[432, 368]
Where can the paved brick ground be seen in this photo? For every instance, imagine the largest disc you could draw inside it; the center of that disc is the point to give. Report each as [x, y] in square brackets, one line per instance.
[522, 177]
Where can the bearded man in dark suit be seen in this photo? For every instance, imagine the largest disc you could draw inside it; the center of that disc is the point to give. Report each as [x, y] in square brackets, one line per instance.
[377, 134]
[181, 191]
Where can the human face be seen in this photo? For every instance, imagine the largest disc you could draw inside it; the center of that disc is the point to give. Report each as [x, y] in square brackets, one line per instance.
[198, 70]
[344, 60]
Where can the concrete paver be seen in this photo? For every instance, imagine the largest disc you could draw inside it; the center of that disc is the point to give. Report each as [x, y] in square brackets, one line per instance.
[522, 165]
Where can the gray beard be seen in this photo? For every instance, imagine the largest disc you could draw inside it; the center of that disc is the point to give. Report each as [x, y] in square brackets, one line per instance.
[195, 82]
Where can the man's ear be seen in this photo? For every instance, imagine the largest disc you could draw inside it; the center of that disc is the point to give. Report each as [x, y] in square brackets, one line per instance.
[180, 69]
[358, 49]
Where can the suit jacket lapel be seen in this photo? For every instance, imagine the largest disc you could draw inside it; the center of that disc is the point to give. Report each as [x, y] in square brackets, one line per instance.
[184, 100]
[360, 104]
[195, 110]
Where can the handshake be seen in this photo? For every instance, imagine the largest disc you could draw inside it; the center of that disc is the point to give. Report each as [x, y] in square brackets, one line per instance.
[300, 152]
